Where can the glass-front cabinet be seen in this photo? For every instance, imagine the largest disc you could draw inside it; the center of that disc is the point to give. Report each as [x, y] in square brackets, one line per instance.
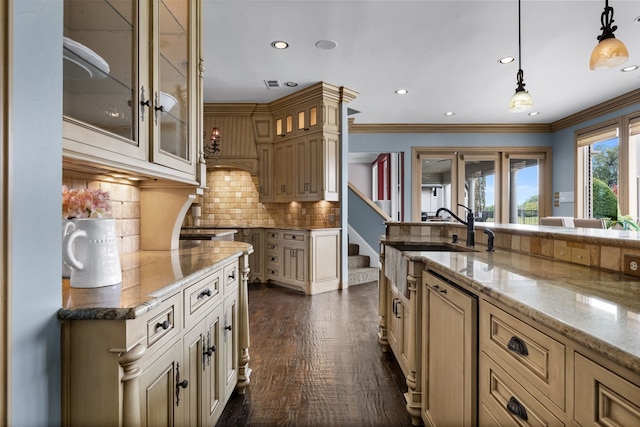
[132, 85]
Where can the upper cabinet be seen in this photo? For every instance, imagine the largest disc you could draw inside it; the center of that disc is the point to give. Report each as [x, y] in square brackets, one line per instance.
[132, 86]
[306, 141]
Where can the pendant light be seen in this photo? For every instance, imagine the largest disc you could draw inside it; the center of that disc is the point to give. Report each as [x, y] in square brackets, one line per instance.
[521, 100]
[609, 52]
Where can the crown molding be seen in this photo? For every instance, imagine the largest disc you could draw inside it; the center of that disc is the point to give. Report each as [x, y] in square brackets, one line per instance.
[612, 105]
[442, 128]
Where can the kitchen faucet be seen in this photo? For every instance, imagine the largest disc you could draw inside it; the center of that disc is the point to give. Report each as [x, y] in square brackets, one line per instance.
[469, 223]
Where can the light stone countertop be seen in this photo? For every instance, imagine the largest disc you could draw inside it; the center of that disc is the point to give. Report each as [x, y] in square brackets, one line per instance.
[148, 277]
[593, 307]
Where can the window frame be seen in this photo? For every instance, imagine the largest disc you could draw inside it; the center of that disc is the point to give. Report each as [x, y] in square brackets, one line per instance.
[586, 137]
[500, 154]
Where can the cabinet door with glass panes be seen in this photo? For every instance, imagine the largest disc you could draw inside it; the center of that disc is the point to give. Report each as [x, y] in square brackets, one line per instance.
[130, 84]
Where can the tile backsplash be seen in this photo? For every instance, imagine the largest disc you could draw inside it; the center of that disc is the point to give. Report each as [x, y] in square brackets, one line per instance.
[125, 205]
[232, 200]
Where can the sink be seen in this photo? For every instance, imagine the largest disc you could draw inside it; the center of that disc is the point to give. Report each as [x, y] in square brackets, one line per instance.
[431, 247]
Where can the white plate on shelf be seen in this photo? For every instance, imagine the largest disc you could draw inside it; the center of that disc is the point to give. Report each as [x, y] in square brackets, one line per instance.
[82, 63]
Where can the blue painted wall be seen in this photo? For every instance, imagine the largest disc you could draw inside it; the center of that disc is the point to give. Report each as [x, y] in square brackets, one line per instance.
[563, 142]
[35, 178]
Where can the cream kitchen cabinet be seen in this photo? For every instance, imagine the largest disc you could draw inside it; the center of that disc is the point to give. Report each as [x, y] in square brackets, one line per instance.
[284, 171]
[297, 119]
[450, 356]
[175, 364]
[266, 172]
[305, 260]
[163, 389]
[305, 163]
[603, 397]
[135, 109]
[317, 175]
[398, 328]
[294, 260]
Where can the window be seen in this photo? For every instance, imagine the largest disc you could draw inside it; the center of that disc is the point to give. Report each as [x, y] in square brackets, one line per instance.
[500, 185]
[524, 179]
[598, 181]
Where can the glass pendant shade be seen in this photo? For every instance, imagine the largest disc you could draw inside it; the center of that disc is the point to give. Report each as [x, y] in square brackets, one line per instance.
[520, 101]
[608, 53]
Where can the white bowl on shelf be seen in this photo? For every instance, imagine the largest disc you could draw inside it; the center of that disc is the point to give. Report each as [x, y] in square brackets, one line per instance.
[167, 101]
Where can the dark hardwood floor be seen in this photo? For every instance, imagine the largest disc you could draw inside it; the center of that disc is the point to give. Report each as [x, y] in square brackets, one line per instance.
[316, 361]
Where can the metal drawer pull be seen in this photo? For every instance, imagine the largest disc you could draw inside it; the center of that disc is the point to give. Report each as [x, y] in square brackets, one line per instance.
[517, 345]
[396, 301]
[232, 276]
[517, 409]
[205, 293]
[164, 325]
[179, 384]
[228, 327]
[437, 288]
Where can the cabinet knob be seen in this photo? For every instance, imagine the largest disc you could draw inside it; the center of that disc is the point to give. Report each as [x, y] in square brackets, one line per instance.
[210, 350]
[232, 276]
[228, 327]
[164, 325]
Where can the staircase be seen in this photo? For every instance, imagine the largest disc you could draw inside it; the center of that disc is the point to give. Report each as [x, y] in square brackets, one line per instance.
[359, 270]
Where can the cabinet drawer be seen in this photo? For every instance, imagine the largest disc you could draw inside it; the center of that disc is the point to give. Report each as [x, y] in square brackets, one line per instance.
[272, 259]
[273, 235]
[273, 273]
[231, 276]
[272, 247]
[528, 354]
[603, 398]
[293, 237]
[504, 402]
[200, 297]
[164, 322]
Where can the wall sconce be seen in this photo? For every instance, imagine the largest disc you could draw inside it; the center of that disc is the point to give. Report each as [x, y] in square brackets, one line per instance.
[213, 149]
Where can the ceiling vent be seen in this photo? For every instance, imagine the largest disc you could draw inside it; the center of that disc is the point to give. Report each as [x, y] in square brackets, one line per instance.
[272, 84]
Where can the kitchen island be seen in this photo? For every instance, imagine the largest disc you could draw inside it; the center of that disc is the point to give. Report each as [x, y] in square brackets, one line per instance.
[166, 346]
[522, 332]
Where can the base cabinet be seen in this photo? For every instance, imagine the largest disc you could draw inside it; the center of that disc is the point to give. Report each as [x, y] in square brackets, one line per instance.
[305, 260]
[162, 396]
[451, 355]
[176, 364]
[603, 398]
[398, 328]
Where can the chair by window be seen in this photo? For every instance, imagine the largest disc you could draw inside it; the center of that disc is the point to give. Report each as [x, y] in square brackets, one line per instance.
[559, 221]
[589, 223]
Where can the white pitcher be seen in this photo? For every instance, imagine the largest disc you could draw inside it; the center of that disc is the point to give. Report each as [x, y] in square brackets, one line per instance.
[91, 250]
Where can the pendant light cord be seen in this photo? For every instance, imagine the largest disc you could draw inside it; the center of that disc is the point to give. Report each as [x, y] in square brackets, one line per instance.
[520, 75]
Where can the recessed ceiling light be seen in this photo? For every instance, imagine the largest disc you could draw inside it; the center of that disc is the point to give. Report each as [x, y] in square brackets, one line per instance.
[326, 44]
[449, 113]
[290, 84]
[279, 44]
[534, 113]
[402, 91]
[506, 60]
[629, 68]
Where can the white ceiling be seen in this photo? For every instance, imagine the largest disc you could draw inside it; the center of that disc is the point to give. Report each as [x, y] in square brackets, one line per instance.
[444, 52]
